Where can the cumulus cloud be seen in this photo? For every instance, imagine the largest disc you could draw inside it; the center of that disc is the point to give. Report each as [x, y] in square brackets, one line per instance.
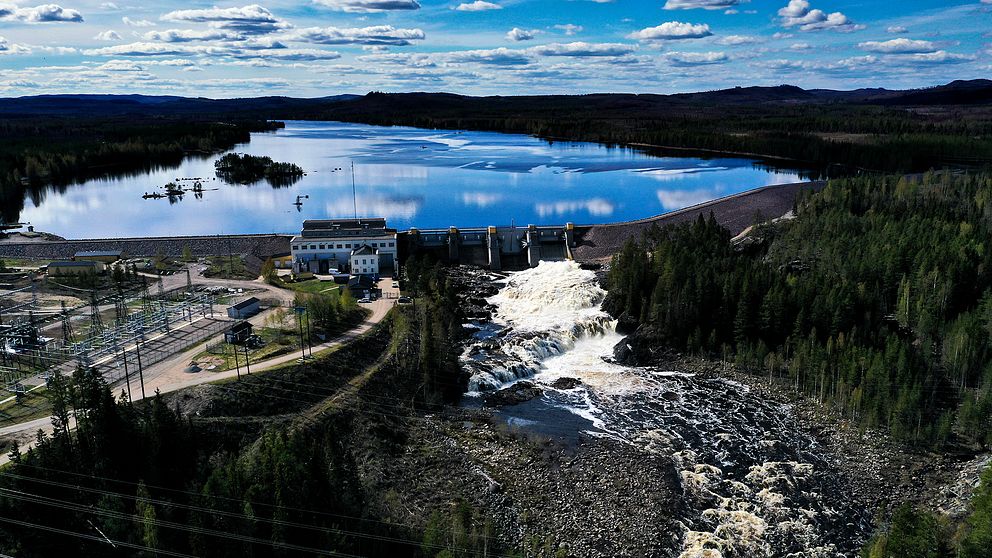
[569, 28]
[798, 13]
[696, 58]
[733, 40]
[896, 29]
[800, 46]
[497, 56]
[246, 19]
[672, 31]
[382, 35]
[518, 34]
[364, 6]
[137, 22]
[8, 48]
[702, 4]
[936, 57]
[478, 6]
[109, 6]
[898, 46]
[189, 35]
[45, 13]
[582, 49]
[152, 49]
[109, 35]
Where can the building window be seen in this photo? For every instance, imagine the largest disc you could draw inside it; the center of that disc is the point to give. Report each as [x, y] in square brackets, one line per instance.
[348, 245]
[390, 244]
[321, 246]
[339, 246]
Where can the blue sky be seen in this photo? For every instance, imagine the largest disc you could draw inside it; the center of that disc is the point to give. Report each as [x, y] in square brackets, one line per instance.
[325, 47]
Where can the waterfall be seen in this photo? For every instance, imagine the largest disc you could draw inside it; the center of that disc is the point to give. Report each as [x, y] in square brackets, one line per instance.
[542, 312]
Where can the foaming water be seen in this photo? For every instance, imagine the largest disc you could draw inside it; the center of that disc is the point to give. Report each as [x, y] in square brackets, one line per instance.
[754, 483]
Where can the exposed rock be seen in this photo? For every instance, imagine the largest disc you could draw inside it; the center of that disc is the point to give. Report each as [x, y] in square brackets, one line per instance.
[515, 394]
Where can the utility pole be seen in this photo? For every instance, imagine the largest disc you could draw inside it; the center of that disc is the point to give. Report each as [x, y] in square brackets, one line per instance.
[141, 375]
[354, 192]
[237, 364]
[309, 336]
[127, 376]
[247, 360]
[299, 314]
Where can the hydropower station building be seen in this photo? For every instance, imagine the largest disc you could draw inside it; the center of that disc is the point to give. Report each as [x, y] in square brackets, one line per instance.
[355, 246]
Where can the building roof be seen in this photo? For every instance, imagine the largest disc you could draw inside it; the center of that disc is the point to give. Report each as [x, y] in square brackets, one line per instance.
[360, 282]
[73, 264]
[245, 303]
[365, 250]
[98, 253]
[340, 228]
[240, 326]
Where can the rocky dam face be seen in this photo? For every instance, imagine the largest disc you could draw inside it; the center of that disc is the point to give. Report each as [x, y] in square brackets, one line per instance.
[753, 482]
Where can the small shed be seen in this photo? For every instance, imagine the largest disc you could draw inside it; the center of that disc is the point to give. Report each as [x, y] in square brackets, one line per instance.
[76, 268]
[244, 309]
[239, 332]
[105, 256]
[361, 286]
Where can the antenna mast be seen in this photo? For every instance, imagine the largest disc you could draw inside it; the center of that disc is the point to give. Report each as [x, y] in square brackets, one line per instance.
[354, 193]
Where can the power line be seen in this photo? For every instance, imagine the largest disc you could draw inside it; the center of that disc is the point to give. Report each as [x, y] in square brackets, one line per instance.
[92, 537]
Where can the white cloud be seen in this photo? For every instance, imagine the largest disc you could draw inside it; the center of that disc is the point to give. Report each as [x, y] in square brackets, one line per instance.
[375, 35]
[898, 46]
[582, 49]
[109, 6]
[478, 6]
[8, 48]
[189, 35]
[365, 6]
[799, 14]
[137, 22]
[696, 58]
[938, 57]
[247, 19]
[518, 34]
[672, 30]
[702, 4]
[109, 35]
[45, 13]
[733, 40]
[569, 28]
[800, 46]
[498, 56]
[896, 29]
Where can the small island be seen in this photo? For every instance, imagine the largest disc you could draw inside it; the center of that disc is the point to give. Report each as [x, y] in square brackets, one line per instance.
[240, 168]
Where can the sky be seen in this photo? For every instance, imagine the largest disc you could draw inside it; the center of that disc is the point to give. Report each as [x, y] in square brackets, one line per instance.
[313, 48]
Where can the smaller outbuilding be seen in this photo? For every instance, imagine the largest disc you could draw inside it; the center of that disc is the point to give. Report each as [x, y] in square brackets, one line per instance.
[105, 256]
[239, 332]
[244, 309]
[362, 286]
[64, 268]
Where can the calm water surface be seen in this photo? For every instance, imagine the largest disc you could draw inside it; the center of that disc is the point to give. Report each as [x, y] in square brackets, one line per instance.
[410, 176]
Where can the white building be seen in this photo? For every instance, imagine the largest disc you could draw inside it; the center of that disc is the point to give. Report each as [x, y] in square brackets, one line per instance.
[327, 246]
[365, 261]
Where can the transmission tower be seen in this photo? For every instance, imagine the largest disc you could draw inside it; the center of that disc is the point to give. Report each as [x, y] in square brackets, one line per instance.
[66, 325]
[95, 322]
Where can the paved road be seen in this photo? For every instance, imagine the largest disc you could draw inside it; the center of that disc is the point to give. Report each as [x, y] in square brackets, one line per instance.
[170, 374]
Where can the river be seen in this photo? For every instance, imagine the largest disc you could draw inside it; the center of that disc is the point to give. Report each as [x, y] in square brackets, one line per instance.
[754, 483]
[410, 176]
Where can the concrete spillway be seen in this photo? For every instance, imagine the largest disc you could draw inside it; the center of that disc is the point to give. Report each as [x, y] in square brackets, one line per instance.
[494, 247]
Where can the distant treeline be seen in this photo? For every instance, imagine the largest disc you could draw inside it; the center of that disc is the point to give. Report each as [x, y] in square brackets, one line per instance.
[876, 299]
[41, 153]
[827, 138]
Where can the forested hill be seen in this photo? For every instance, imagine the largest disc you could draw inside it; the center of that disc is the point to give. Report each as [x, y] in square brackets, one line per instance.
[831, 132]
[876, 299]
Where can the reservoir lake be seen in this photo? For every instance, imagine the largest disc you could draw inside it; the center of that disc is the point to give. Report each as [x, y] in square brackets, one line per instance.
[410, 176]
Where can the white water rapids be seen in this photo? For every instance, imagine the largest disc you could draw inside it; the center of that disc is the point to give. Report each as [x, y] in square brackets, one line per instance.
[754, 484]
